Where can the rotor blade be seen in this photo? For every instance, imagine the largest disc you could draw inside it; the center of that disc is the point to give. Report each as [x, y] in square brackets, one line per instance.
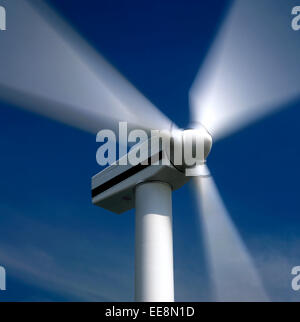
[47, 68]
[233, 274]
[252, 68]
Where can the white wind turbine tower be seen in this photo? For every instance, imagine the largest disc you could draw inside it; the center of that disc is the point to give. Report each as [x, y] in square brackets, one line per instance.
[252, 69]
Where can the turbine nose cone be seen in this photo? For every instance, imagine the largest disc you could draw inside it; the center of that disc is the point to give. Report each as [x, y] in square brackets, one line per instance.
[190, 147]
[200, 141]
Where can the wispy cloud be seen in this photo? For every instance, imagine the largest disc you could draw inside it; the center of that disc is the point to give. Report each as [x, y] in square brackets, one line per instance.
[67, 262]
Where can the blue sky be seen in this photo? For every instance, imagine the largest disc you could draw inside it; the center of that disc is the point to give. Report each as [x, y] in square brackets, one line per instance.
[55, 245]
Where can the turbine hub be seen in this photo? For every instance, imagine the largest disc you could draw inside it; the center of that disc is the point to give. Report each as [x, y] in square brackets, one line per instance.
[189, 148]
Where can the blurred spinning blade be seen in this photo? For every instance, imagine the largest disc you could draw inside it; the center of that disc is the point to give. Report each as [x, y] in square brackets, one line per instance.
[47, 68]
[252, 68]
[233, 274]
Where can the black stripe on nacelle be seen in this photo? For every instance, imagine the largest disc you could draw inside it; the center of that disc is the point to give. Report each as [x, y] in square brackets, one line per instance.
[125, 175]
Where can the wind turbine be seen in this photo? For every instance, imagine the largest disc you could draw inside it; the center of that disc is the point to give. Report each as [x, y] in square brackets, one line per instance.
[252, 70]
